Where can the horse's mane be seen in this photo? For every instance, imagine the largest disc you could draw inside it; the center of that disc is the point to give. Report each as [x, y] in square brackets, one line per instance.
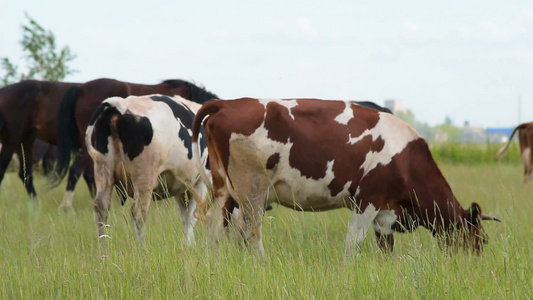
[196, 93]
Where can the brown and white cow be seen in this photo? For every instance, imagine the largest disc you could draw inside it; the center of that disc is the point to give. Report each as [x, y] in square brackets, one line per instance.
[525, 139]
[316, 155]
[142, 145]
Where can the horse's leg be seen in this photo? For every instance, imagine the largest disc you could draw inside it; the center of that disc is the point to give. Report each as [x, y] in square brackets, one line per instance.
[87, 166]
[73, 176]
[6, 154]
[49, 160]
[88, 176]
[25, 156]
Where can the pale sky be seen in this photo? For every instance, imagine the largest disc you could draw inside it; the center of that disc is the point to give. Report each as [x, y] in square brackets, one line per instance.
[469, 60]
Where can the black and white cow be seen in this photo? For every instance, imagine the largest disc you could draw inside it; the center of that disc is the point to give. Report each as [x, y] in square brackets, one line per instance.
[142, 146]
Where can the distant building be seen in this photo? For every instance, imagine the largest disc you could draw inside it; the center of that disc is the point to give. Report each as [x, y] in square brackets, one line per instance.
[468, 134]
[499, 134]
[490, 135]
[472, 134]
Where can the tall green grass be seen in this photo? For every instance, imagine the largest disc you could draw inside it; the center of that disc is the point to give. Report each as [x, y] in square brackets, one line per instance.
[48, 254]
[465, 153]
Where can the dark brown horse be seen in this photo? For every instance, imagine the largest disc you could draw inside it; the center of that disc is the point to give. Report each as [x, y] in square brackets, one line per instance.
[28, 110]
[76, 110]
[45, 156]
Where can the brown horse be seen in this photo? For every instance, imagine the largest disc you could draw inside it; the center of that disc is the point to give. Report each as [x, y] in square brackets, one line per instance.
[76, 110]
[44, 156]
[28, 110]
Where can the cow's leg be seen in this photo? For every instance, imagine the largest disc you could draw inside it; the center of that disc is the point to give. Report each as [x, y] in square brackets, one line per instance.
[102, 202]
[216, 215]
[233, 216]
[73, 176]
[382, 224]
[141, 203]
[25, 156]
[187, 216]
[250, 182]
[359, 225]
[528, 168]
[252, 210]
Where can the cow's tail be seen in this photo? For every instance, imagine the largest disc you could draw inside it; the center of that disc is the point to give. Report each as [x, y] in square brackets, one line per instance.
[503, 149]
[68, 138]
[207, 109]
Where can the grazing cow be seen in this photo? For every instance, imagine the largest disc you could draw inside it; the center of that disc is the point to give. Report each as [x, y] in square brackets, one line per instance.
[142, 145]
[315, 155]
[525, 139]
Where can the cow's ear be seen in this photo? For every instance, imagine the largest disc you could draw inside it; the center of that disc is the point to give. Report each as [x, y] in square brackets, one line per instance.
[474, 213]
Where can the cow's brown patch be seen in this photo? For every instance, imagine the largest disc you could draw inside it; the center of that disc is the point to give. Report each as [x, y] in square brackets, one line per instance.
[318, 138]
[243, 119]
[276, 116]
[272, 161]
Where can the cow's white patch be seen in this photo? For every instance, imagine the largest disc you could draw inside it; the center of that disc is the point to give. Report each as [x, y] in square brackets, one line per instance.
[357, 191]
[193, 106]
[359, 226]
[346, 115]
[118, 103]
[384, 221]
[289, 104]
[526, 160]
[396, 135]
[287, 185]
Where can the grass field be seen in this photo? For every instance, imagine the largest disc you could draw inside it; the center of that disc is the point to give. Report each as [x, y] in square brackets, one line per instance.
[47, 254]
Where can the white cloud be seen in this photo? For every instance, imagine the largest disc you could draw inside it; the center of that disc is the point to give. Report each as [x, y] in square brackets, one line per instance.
[411, 29]
[220, 33]
[421, 31]
[528, 13]
[488, 30]
[307, 28]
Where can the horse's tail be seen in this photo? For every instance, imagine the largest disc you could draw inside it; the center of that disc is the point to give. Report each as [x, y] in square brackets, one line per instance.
[68, 138]
[503, 149]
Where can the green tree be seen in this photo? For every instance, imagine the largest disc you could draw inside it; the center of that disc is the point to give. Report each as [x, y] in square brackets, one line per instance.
[407, 116]
[44, 61]
[453, 134]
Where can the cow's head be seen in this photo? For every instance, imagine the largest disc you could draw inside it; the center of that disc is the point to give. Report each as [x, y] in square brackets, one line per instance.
[473, 235]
